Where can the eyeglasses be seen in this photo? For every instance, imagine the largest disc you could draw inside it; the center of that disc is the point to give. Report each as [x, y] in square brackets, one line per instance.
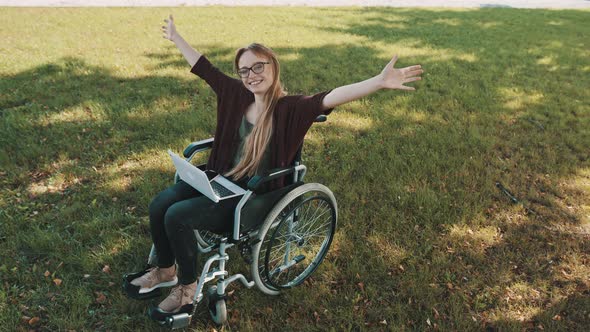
[257, 68]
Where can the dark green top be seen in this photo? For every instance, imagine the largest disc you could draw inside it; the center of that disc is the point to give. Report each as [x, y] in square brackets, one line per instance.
[245, 130]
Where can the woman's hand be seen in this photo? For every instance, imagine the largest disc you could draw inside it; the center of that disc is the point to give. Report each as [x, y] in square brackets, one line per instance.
[390, 78]
[394, 78]
[169, 29]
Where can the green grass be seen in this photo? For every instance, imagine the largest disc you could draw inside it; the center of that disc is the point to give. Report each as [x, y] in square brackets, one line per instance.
[90, 99]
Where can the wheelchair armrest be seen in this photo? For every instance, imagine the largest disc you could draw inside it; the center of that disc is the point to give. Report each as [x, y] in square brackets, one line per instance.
[258, 180]
[321, 118]
[197, 146]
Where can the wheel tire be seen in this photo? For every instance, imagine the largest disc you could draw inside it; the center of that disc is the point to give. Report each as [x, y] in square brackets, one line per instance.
[274, 235]
[217, 308]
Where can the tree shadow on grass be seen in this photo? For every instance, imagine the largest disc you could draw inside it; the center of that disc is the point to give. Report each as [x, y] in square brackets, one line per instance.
[425, 237]
[533, 146]
[85, 113]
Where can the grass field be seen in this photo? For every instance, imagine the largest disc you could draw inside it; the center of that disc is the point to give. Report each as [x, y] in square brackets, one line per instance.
[90, 99]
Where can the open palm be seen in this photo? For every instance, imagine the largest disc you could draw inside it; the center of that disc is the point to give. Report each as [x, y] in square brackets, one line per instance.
[169, 29]
[395, 78]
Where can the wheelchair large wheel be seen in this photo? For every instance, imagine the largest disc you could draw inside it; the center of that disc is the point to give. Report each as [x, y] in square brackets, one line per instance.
[206, 239]
[294, 238]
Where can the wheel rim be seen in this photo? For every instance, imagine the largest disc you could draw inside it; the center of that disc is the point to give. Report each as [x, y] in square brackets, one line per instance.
[301, 236]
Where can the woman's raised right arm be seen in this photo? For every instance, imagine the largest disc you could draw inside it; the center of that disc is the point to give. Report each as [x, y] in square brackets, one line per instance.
[170, 33]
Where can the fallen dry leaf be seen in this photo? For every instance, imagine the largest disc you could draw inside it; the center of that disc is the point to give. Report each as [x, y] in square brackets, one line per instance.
[33, 321]
[57, 281]
[101, 298]
[106, 269]
[234, 317]
[436, 314]
[47, 273]
[317, 316]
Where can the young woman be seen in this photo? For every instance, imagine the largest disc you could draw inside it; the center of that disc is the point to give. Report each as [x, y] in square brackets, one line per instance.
[259, 127]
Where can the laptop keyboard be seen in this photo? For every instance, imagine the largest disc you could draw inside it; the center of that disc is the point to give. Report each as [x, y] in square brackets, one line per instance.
[220, 190]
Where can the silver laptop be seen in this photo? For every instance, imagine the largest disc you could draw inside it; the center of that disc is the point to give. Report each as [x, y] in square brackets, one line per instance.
[217, 189]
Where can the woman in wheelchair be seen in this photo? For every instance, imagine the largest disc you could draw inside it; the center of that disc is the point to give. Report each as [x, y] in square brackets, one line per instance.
[259, 127]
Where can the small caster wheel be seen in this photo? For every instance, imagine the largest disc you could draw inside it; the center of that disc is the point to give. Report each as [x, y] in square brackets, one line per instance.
[216, 305]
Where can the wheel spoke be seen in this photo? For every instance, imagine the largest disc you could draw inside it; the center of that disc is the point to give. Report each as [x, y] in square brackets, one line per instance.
[315, 217]
[309, 226]
[315, 230]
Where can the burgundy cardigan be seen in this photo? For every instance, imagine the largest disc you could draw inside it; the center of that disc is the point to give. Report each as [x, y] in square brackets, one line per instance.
[292, 117]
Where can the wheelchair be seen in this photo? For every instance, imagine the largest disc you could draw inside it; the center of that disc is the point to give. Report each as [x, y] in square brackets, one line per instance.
[283, 248]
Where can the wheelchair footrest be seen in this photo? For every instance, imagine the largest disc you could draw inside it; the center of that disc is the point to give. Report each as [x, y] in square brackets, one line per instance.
[178, 321]
[132, 291]
[174, 320]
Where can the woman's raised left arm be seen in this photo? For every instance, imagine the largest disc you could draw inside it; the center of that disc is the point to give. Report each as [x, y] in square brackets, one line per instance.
[389, 78]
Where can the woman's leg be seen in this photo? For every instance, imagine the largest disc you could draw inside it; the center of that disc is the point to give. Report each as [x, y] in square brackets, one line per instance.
[184, 217]
[181, 220]
[164, 274]
[157, 211]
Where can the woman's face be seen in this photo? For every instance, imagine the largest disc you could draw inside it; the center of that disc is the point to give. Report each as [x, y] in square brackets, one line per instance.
[256, 72]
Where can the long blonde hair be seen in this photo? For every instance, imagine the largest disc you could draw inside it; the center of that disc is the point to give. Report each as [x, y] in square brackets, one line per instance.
[259, 138]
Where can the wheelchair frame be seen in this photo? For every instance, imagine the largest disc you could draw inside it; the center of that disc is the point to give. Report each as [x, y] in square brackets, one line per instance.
[216, 294]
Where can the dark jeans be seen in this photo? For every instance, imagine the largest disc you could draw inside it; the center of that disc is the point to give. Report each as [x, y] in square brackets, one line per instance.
[174, 214]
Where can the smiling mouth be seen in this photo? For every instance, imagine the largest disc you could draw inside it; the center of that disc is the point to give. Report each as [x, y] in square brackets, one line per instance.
[255, 82]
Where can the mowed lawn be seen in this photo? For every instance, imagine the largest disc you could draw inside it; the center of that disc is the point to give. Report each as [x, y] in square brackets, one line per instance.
[91, 99]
